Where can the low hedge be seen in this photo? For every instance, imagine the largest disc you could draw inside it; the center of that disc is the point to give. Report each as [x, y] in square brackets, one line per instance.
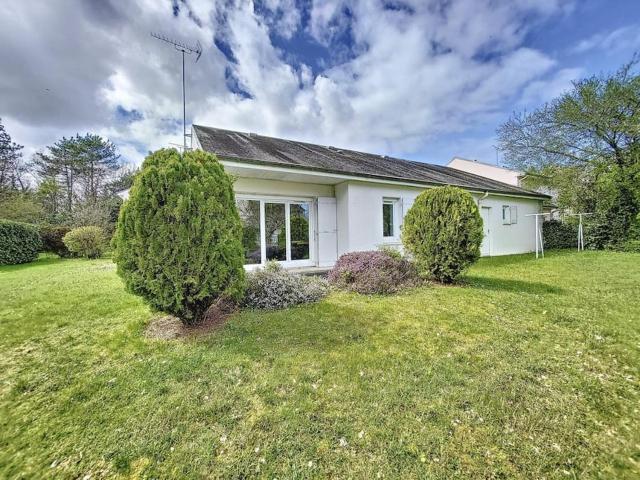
[19, 242]
[557, 234]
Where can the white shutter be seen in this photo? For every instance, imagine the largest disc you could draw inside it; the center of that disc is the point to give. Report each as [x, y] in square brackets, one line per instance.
[327, 232]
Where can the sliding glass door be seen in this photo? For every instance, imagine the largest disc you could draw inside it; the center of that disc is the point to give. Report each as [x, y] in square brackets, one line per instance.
[277, 230]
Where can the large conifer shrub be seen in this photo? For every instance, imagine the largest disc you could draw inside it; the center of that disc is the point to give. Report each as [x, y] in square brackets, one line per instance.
[178, 239]
[442, 231]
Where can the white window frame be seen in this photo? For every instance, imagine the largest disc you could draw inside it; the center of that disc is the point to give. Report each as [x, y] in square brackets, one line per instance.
[395, 219]
[287, 201]
[506, 215]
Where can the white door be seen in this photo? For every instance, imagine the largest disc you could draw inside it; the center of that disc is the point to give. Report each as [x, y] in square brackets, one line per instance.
[485, 248]
[327, 232]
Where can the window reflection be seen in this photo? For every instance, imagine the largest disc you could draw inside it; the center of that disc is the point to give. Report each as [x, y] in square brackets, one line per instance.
[249, 211]
[276, 231]
[299, 224]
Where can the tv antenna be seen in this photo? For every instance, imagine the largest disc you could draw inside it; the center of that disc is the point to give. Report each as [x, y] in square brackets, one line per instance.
[188, 49]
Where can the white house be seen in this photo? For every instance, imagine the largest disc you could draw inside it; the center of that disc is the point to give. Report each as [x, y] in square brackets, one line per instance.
[305, 205]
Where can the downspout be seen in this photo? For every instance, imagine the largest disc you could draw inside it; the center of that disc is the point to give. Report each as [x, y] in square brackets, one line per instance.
[485, 195]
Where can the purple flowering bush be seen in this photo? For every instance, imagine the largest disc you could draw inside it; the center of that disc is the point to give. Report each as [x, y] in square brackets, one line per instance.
[374, 272]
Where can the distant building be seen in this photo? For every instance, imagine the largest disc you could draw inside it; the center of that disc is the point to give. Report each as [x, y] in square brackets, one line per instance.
[504, 175]
[501, 174]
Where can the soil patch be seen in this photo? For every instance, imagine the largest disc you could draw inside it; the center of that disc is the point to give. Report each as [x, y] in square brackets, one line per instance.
[164, 328]
[169, 327]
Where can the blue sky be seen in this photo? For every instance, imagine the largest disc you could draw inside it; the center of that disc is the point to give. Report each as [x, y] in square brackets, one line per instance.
[424, 80]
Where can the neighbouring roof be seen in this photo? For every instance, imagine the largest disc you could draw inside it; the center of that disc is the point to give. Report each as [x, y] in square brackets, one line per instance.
[261, 150]
[487, 164]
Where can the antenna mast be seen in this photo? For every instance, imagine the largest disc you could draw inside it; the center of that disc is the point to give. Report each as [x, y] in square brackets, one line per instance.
[189, 49]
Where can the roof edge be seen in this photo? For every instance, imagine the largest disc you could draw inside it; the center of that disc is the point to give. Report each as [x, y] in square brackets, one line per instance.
[417, 183]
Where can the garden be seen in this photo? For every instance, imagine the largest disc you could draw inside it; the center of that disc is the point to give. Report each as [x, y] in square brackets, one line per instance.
[428, 364]
[523, 369]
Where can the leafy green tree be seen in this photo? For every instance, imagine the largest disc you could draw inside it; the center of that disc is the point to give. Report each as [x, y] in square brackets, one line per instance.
[178, 242]
[588, 142]
[443, 232]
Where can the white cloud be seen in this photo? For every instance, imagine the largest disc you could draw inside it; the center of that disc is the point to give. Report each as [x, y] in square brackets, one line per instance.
[397, 78]
[623, 38]
[542, 91]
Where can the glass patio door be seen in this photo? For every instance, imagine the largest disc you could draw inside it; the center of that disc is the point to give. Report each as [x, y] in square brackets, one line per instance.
[276, 230]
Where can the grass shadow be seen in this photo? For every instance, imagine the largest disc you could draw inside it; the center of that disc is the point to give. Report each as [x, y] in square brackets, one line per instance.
[505, 285]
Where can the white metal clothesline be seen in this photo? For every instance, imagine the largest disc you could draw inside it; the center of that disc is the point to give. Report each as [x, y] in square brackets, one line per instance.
[539, 239]
[580, 230]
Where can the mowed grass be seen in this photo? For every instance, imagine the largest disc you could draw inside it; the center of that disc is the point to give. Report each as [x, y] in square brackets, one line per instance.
[528, 370]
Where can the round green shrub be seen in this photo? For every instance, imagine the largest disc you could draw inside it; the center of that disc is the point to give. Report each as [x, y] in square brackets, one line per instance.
[51, 237]
[87, 242]
[178, 240]
[19, 242]
[443, 232]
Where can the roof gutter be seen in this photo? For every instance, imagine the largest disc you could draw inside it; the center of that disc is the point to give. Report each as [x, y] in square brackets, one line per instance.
[485, 195]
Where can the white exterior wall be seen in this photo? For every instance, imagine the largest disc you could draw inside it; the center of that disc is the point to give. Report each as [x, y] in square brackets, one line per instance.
[260, 186]
[360, 218]
[513, 238]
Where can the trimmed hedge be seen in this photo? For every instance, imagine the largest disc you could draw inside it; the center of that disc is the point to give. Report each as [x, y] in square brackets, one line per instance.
[178, 242]
[443, 232]
[87, 242]
[557, 234]
[19, 242]
[51, 237]
[374, 272]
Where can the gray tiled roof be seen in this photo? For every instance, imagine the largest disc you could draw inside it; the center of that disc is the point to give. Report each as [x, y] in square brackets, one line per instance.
[258, 149]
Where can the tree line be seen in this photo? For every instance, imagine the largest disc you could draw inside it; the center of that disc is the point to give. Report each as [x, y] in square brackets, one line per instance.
[73, 182]
[585, 146]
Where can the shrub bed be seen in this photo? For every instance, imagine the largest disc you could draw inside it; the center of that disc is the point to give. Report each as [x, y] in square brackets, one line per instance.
[87, 242]
[374, 272]
[52, 239]
[273, 288]
[19, 242]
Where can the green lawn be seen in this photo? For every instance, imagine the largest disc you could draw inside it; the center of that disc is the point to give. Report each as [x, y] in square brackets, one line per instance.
[530, 370]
